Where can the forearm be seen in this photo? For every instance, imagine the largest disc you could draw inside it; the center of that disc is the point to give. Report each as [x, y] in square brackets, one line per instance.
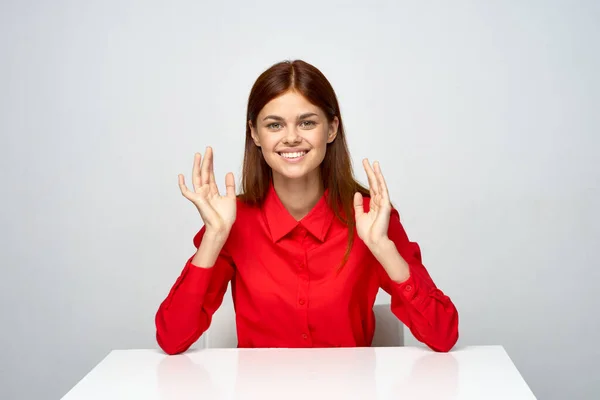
[431, 317]
[392, 262]
[181, 317]
[416, 301]
[177, 328]
[424, 309]
[209, 250]
[186, 312]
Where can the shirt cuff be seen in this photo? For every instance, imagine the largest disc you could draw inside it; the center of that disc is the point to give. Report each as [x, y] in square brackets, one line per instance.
[407, 289]
[195, 279]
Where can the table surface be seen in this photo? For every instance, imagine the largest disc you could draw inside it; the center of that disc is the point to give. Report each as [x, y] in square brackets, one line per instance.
[480, 372]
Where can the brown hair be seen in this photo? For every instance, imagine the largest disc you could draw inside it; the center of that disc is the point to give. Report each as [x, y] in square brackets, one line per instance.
[336, 168]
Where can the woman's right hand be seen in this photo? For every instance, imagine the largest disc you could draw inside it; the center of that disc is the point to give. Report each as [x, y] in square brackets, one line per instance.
[218, 212]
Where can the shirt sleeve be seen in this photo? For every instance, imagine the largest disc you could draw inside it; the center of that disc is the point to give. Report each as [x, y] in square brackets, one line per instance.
[429, 314]
[187, 311]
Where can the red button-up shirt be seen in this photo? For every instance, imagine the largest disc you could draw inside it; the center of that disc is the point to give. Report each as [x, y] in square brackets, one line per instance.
[288, 290]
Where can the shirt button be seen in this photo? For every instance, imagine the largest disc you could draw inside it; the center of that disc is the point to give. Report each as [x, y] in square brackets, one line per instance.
[304, 336]
[301, 302]
[408, 288]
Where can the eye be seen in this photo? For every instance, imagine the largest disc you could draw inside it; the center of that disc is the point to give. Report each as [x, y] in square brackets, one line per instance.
[307, 124]
[274, 126]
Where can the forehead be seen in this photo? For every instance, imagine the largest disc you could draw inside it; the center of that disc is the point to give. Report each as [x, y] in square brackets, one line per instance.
[289, 104]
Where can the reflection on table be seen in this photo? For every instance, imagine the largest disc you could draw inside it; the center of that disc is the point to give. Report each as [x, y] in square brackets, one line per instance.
[344, 373]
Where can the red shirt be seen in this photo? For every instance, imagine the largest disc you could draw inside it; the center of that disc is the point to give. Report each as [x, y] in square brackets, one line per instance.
[287, 289]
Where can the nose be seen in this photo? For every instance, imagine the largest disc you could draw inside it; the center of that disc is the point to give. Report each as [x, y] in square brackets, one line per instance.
[292, 136]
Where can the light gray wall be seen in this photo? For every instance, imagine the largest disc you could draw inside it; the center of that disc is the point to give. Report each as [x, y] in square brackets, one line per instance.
[484, 116]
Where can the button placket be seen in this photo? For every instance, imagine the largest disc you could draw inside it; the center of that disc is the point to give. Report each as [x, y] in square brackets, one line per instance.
[303, 285]
[302, 300]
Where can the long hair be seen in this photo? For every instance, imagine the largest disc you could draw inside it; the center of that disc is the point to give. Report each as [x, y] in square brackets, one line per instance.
[336, 168]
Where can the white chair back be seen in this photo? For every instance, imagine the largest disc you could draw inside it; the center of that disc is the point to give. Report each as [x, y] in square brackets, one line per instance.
[222, 331]
[389, 331]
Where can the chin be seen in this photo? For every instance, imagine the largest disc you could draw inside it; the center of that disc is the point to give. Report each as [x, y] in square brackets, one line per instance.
[291, 173]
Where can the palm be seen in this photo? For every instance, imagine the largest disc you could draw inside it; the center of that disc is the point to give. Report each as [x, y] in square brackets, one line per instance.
[218, 212]
[222, 207]
[372, 226]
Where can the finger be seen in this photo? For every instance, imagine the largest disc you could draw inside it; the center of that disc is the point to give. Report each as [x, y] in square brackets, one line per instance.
[206, 211]
[365, 163]
[196, 177]
[382, 218]
[184, 190]
[371, 177]
[383, 190]
[230, 185]
[358, 205]
[204, 168]
[213, 183]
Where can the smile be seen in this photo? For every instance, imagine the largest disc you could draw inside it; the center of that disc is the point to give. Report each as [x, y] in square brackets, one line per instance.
[293, 157]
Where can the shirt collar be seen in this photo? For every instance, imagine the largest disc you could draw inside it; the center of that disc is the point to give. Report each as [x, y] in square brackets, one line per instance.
[281, 222]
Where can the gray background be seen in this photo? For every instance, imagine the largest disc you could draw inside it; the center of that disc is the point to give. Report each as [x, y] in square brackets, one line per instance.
[484, 116]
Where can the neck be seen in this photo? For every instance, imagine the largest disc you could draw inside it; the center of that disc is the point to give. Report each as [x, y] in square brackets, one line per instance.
[298, 196]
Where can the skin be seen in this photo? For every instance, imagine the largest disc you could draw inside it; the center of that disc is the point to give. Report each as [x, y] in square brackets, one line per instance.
[290, 123]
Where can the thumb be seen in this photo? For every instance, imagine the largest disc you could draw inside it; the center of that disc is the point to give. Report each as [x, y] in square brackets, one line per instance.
[358, 205]
[230, 185]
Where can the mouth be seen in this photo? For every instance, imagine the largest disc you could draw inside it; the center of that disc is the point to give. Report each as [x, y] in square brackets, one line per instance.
[293, 156]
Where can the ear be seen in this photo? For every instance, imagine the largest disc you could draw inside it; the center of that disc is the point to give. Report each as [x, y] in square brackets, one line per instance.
[254, 134]
[333, 129]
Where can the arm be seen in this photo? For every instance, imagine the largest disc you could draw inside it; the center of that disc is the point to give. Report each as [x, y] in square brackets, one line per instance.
[187, 311]
[416, 301]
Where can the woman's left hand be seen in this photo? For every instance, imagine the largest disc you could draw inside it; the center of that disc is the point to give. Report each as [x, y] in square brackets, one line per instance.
[372, 226]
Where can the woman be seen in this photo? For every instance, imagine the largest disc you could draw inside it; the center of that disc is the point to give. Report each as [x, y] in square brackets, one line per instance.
[300, 277]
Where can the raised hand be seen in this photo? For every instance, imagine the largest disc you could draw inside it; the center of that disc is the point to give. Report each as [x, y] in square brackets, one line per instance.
[372, 226]
[218, 212]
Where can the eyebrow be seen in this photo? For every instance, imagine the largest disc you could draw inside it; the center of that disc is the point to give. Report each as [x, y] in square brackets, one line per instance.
[301, 116]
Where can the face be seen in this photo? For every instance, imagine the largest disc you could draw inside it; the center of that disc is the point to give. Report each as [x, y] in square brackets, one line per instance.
[293, 135]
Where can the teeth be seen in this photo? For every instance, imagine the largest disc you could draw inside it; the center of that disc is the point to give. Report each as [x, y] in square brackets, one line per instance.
[293, 155]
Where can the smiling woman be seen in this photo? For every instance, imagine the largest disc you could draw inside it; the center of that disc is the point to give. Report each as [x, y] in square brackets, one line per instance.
[305, 246]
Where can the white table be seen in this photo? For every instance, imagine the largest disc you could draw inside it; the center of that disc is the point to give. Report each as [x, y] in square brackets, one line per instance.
[484, 372]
